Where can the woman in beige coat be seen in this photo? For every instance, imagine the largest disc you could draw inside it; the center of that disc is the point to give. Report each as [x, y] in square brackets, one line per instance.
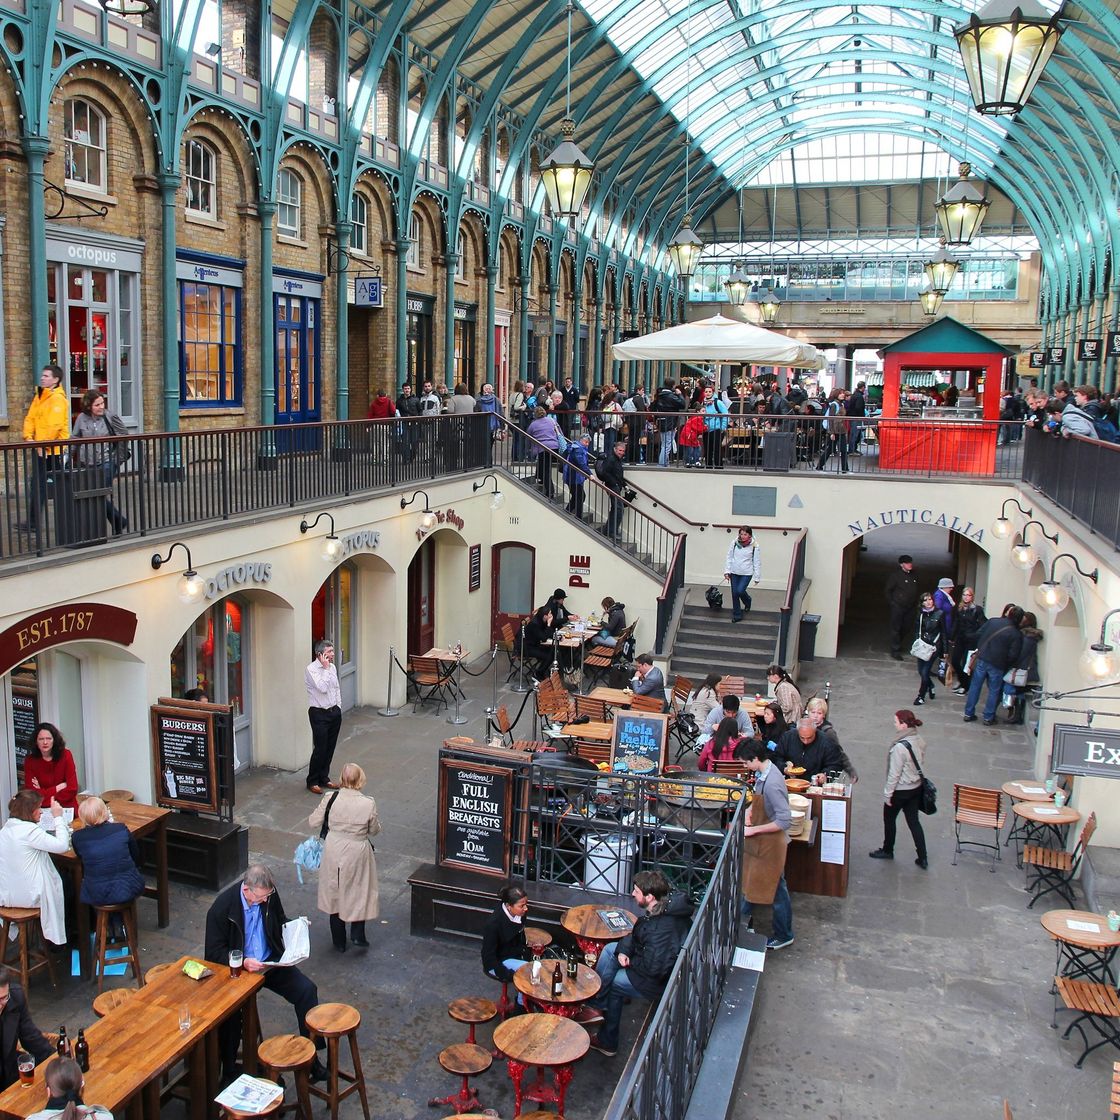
[348, 872]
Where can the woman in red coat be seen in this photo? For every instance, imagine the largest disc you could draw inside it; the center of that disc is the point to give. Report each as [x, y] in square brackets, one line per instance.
[49, 768]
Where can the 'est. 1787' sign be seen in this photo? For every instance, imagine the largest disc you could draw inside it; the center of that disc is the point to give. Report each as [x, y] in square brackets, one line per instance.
[1086, 751]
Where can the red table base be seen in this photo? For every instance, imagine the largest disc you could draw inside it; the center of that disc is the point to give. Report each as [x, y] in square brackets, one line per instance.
[540, 1090]
[591, 950]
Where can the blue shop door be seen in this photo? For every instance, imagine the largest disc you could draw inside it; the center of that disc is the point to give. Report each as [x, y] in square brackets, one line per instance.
[297, 372]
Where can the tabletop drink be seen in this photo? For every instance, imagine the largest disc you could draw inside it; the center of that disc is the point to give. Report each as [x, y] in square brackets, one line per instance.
[557, 982]
[1059, 797]
[236, 960]
[62, 1047]
[1050, 783]
[81, 1052]
[185, 1017]
[536, 970]
[1114, 921]
[26, 1069]
[573, 966]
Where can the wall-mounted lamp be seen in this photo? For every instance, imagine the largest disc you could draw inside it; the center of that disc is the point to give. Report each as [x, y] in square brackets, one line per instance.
[497, 498]
[1098, 662]
[332, 546]
[427, 518]
[1051, 594]
[191, 585]
[1023, 555]
[1001, 527]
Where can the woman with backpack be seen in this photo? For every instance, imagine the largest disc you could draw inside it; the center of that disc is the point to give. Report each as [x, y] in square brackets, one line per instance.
[835, 430]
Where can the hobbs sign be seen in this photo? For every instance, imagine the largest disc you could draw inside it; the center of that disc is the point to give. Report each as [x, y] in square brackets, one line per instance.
[1085, 751]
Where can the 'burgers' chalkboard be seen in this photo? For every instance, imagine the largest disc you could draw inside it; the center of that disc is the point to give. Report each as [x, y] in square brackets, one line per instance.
[474, 816]
[185, 761]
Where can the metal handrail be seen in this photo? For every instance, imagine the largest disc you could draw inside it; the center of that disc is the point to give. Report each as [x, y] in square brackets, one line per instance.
[793, 582]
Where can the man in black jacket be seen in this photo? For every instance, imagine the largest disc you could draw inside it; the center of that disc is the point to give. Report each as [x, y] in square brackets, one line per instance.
[408, 404]
[998, 646]
[639, 965]
[669, 403]
[250, 916]
[612, 476]
[901, 593]
[17, 1031]
[807, 746]
[857, 411]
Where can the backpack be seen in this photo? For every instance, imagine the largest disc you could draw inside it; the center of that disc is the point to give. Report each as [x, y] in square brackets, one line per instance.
[1105, 430]
[714, 597]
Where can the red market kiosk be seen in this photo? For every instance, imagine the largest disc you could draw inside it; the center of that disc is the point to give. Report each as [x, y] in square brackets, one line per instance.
[953, 446]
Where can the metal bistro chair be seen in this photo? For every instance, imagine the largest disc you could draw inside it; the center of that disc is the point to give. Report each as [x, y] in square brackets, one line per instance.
[1054, 869]
[430, 680]
[505, 729]
[977, 807]
[1098, 1005]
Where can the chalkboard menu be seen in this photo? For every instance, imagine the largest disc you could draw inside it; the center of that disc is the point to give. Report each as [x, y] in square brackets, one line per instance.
[185, 759]
[474, 579]
[474, 816]
[25, 715]
[639, 742]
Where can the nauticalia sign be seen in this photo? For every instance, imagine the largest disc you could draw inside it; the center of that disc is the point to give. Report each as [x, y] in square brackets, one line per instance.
[916, 517]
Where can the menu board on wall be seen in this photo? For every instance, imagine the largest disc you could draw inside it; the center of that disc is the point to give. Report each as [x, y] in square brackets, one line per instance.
[185, 758]
[474, 579]
[25, 715]
[639, 742]
[474, 816]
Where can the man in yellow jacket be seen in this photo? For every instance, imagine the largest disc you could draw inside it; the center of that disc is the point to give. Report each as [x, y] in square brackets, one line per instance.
[47, 421]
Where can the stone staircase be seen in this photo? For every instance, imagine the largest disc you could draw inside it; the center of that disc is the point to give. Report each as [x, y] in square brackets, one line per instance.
[708, 642]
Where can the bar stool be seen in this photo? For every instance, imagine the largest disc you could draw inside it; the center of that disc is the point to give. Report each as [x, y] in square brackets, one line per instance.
[156, 970]
[504, 1005]
[472, 1010]
[118, 795]
[113, 998]
[465, 1060]
[332, 1021]
[33, 954]
[127, 911]
[236, 1114]
[284, 1052]
[537, 939]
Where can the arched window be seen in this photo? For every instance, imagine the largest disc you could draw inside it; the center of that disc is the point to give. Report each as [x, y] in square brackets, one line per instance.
[359, 219]
[84, 129]
[289, 191]
[202, 179]
[414, 234]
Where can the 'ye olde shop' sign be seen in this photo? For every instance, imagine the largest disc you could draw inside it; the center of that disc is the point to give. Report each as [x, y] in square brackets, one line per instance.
[1085, 751]
[916, 517]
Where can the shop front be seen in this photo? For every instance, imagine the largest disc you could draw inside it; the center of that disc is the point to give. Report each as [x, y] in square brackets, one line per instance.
[333, 611]
[297, 305]
[465, 316]
[500, 372]
[419, 334]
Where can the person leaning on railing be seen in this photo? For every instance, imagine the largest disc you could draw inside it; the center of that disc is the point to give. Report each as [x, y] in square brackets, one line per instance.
[47, 420]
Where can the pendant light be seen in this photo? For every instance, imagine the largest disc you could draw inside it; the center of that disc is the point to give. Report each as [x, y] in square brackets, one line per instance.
[961, 209]
[566, 173]
[738, 283]
[930, 300]
[129, 7]
[686, 247]
[1005, 47]
[941, 269]
[768, 302]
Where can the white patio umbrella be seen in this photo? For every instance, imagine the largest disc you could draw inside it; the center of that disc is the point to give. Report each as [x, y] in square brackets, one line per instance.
[719, 339]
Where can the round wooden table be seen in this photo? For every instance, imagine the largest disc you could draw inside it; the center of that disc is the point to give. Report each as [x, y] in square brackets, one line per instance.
[1027, 789]
[1042, 824]
[1083, 952]
[544, 1041]
[537, 939]
[575, 992]
[590, 931]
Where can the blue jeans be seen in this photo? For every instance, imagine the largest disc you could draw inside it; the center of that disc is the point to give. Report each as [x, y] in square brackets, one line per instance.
[925, 671]
[615, 989]
[781, 921]
[667, 439]
[739, 585]
[984, 671]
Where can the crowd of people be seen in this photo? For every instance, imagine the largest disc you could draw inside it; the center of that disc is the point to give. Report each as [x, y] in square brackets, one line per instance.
[1080, 410]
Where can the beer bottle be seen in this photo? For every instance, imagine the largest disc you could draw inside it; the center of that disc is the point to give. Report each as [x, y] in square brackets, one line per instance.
[573, 967]
[81, 1052]
[62, 1047]
[557, 982]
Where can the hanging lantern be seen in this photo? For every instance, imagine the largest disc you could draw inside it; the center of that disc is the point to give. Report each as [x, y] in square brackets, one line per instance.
[566, 174]
[768, 304]
[961, 209]
[941, 270]
[1005, 47]
[685, 248]
[129, 7]
[738, 286]
[931, 300]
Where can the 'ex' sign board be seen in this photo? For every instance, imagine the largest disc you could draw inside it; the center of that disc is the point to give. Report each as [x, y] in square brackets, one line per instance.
[1085, 751]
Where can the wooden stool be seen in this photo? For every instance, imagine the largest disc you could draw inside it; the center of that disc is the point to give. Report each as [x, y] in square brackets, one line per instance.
[156, 970]
[284, 1052]
[504, 1005]
[114, 997]
[236, 1114]
[118, 795]
[33, 953]
[332, 1021]
[127, 911]
[466, 1060]
[537, 939]
[472, 1010]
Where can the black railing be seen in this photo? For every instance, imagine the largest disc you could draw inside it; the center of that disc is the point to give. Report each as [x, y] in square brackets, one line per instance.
[796, 575]
[658, 1082]
[1079, 475]
[674, 581]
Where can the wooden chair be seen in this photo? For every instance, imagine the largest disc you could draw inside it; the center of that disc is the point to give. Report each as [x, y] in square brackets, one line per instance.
[289, 1053]
[977, 807]
[505, 729]
[510, 644]
[591, 749]
[593, 709]
[1054, 869]
[647, 704]
[127, 911]
[333, 1022]
[733, 767]
[1116, 1091]
[33, 953]
[1097, 1004]
[732, 686]
[465, 1060]
[430, 680]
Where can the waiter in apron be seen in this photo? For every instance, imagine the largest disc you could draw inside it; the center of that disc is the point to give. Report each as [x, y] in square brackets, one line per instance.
[764, 849]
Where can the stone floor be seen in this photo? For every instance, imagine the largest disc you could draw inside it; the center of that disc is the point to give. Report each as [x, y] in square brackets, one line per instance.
[923, 992]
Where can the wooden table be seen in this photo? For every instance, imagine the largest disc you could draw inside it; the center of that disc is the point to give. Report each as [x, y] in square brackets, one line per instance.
[615, 697]
[544, 1041]
[456, 661]
[574, 993]
[141, 820]
[136, 1043]
[1086, 953]
[1027, 789]
[600, 732]
[1042, 823]
[589, 929]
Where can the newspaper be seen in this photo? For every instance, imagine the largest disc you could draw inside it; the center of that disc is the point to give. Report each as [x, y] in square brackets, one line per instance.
[297, 944]
[249, 1094]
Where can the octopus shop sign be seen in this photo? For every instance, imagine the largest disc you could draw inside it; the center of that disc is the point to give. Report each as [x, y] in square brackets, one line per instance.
[238, 575]
[916, 517]
[362, 539]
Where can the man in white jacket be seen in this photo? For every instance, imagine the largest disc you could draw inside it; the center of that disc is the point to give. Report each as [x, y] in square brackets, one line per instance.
[743, 565]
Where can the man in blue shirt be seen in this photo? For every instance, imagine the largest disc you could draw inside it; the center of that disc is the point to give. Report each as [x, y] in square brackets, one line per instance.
[249, 916]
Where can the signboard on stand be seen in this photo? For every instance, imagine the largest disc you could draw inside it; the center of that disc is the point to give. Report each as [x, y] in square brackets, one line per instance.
[639, 742]
[474, 817]
[192, 754]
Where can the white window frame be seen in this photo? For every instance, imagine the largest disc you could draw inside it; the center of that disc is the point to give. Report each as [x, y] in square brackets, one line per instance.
[460, 259]
[208, 183]
[289, 198]
[92, 140]
[413, 258]
[359, 220]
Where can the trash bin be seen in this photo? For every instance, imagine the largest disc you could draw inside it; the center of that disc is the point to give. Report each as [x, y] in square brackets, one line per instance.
[79, 507]
[807, 639]
[778, 451]
[608, 863]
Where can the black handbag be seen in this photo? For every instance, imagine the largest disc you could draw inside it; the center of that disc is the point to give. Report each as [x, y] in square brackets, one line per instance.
[928, 803]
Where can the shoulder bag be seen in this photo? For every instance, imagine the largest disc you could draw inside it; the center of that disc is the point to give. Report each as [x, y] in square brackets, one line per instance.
[922, 649]
[309, 853]
[928, 802]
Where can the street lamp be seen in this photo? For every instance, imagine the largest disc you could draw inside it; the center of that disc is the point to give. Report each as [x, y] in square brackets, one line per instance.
[685, 249]
[738, 286]
[961, 209]
[768, 304]
[941, 270]
[931, 300]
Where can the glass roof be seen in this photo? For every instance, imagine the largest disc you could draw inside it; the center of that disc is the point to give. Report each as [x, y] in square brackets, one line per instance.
[744, 74]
